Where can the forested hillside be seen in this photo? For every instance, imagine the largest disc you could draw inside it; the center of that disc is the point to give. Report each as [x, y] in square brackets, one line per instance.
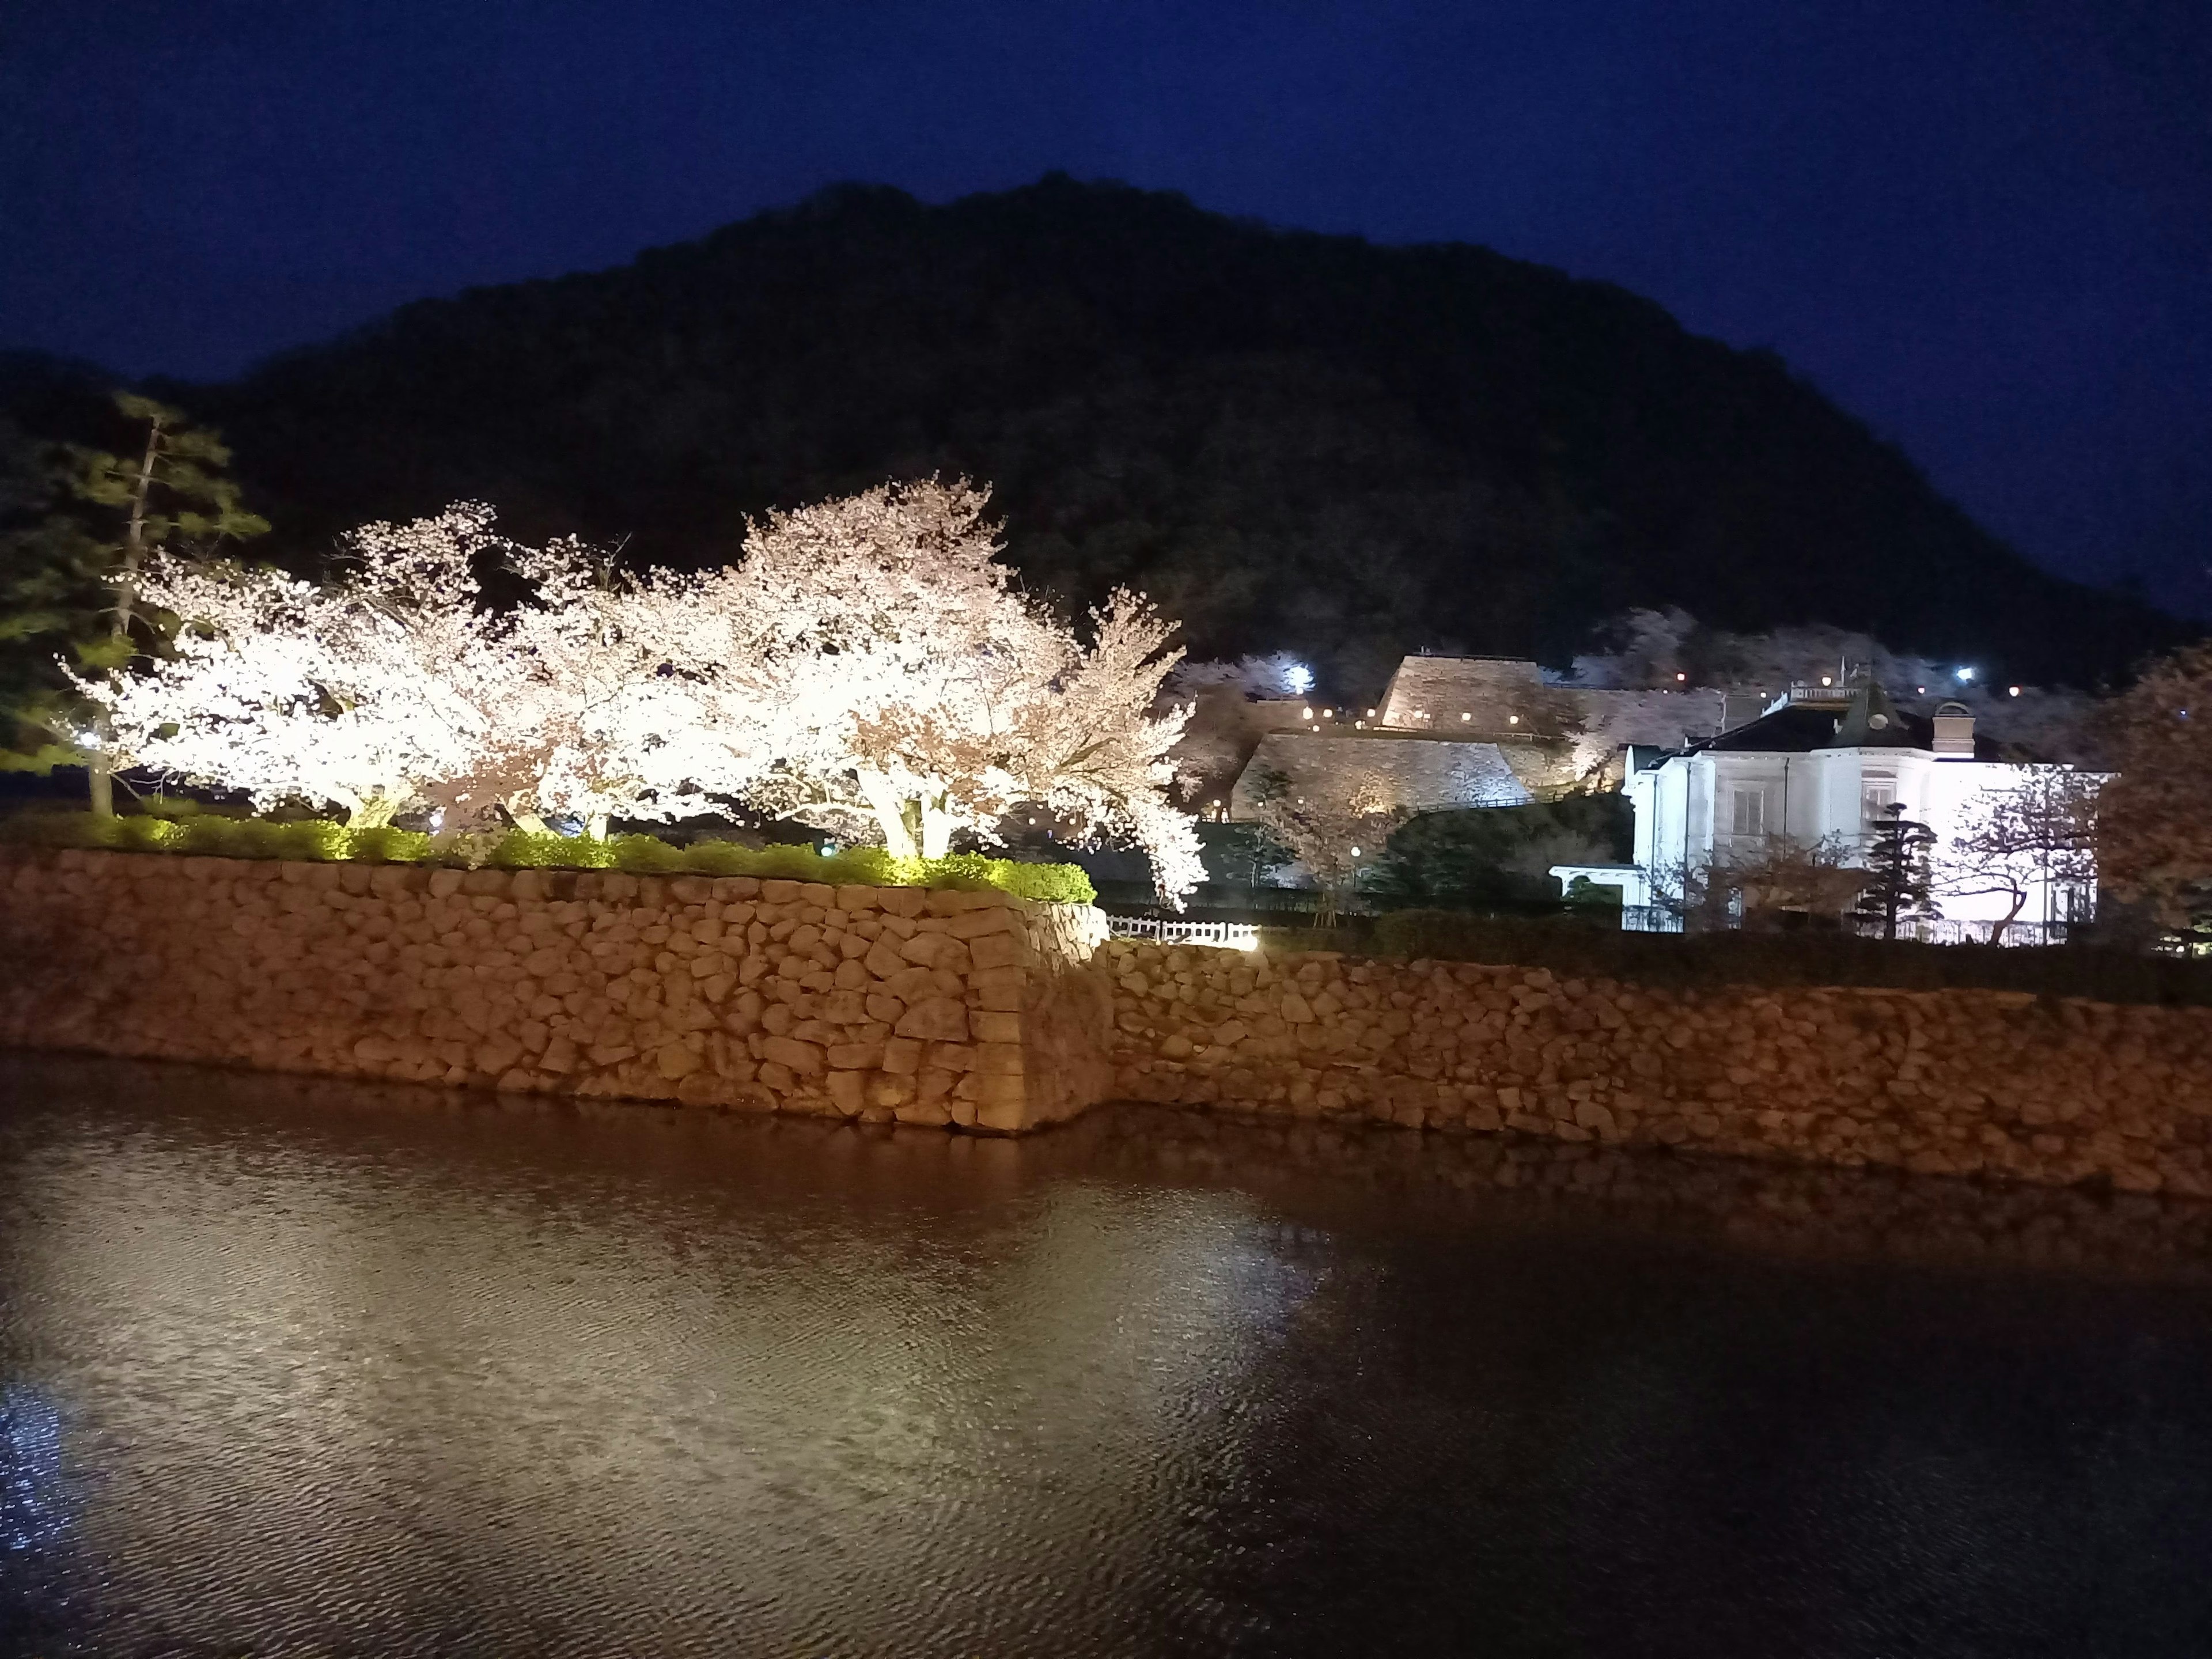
[1288, 439]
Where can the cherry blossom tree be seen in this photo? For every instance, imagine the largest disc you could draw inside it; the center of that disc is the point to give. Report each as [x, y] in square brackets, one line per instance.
[869, 666]
[1333, 832]
[2037, 835]
[394, 686]
[355, 695]
[2154, 818]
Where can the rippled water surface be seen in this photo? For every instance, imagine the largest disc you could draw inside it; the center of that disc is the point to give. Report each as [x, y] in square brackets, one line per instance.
[300, 1368]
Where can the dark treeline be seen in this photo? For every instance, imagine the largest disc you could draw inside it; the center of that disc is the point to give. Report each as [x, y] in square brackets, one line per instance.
[1290, 440]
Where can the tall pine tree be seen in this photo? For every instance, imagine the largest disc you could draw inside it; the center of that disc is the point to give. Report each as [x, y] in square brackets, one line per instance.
[1900, 871]
[85, 521]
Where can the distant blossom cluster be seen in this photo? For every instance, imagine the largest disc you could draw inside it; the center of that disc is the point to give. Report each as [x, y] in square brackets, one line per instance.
[866, 666]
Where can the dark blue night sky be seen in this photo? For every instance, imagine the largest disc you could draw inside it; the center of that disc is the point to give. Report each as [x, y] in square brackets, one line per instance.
[1986, 227]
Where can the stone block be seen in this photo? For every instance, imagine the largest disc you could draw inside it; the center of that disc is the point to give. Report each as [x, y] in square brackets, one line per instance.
[974, 924]
[883, 960]
[998, 949]
[853, 897]
[1002, 1104]
[901, 1056]
[936, 1019]
[913, 983]
[996, 989]
[927, 950]
[845, 1008]
[856, 1056]
[885, 1008]
[987, 1025]
[999, 1059]
[777, 892]
[802, 1059]
[849, 1090]
[496, 1053]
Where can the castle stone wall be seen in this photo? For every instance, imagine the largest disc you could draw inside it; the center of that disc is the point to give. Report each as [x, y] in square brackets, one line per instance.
[1948, 1083]
[972, 1010]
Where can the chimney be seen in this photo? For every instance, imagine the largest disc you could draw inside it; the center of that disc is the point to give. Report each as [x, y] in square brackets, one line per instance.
[1954, 730]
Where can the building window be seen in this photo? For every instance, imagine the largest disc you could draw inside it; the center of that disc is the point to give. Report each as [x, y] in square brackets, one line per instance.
[1750, 817]
[1876, 797]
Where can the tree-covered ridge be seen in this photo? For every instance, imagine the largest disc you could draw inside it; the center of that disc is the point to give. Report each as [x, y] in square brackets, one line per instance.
[1288, 439]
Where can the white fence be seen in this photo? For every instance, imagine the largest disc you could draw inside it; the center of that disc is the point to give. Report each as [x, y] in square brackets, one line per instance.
[1228, 935]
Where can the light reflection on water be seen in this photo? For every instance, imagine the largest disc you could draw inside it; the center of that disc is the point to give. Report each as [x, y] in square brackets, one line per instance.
[291, 1367]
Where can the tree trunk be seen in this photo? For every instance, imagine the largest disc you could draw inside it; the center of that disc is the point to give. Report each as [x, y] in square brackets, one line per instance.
[936, 827]
[1997, 929]
[595, 826]
[100, 767]
[100, 773]
[890, 810]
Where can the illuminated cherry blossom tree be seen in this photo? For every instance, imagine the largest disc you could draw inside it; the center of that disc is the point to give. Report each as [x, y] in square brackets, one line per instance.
[394, 686]
[2155, 820]
[1333, 831]
[869, 666]
[355, 695]
[2038, 835]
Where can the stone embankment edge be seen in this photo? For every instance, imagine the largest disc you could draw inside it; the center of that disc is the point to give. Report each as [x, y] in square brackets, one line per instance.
[979, 1011]
[969, 1010]
[1994, 1084]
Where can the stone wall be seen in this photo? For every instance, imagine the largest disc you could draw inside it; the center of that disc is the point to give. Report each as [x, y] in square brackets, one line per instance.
[977, 1010]
[1954, 1082]
[972, 1010]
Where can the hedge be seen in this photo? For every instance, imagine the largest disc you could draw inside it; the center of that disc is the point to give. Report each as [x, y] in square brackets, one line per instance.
[321, 841]
[1588, 951]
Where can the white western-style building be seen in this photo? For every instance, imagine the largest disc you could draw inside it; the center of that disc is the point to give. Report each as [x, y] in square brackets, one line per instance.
[1821, 764]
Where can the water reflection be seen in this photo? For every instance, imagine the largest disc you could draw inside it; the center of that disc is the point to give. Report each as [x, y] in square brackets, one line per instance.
[330, 1369]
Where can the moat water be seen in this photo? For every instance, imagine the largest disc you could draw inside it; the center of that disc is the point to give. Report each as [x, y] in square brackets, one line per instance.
[298, 1367]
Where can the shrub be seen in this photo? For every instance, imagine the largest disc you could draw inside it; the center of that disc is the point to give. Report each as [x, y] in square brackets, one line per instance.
[1053, 884]
[388, 845]
[525, 849]
[316, 840]
[217, 835]
[645, 855]
[148, 835]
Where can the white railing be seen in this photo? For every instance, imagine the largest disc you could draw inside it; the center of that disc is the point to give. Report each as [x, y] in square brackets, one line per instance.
[1228, 935]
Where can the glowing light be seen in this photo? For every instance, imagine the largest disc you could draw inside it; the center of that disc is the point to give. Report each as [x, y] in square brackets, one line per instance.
[1465, 716]
[1826, 680]
[1305, 713]
[1300, 679]
[1681, 677]
[1962, 674]
[2012, 690]
[1355, 852]
[1513, 719]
